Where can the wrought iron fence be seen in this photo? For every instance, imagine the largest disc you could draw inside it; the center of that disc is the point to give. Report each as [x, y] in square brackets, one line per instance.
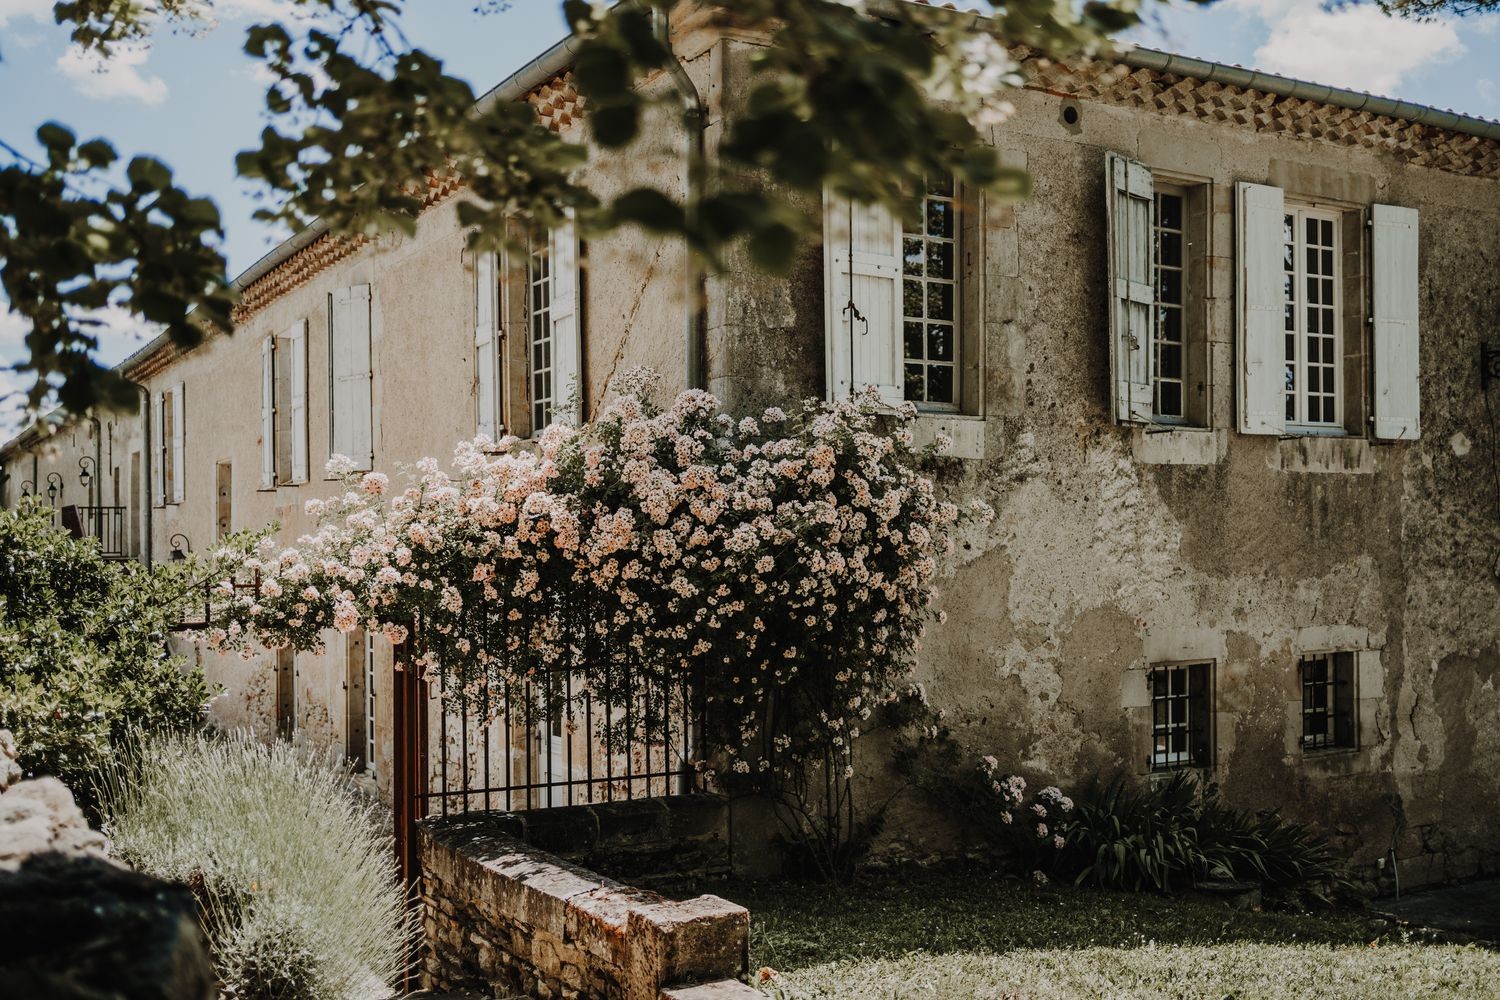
[560, 738]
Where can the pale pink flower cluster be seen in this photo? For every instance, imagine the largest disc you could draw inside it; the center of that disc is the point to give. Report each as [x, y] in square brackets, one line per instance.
[745, 554]
[1049, 806]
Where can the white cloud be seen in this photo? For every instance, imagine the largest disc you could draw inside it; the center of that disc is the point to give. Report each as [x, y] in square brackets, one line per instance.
[1353, 46]
[119, 332]
[34, 10]
[118, 76]
[13, 413]
[13, 330]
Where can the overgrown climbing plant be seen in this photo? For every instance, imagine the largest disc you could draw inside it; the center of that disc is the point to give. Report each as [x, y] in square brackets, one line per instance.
[784, 565]
[866, 97]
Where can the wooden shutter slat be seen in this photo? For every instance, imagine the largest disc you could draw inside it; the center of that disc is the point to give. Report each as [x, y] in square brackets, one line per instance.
[179, 443]
[567, 346]
[862, 265]
[1397, 404]
[297, 341]
[1262, 340]
[268, 413]
[1129, 208]
[352, 402]
[283, 408]
[486, 368]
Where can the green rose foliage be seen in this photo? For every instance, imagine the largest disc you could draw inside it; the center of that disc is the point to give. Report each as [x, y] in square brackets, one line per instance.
[83, 655]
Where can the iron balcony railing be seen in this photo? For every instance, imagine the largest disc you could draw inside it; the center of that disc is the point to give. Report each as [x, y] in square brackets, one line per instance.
[110, 525]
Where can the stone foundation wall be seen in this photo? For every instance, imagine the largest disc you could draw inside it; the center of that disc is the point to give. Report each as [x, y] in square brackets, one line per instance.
[505, 917]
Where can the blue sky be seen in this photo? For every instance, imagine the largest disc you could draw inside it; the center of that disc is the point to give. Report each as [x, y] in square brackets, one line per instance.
[193, 99]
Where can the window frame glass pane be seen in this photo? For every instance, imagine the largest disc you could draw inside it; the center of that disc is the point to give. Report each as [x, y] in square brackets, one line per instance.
[1314, 312]
[1181, 695]
[932, 382]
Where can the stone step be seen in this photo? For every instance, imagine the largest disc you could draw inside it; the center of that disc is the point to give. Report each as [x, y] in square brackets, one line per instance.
[723, 989]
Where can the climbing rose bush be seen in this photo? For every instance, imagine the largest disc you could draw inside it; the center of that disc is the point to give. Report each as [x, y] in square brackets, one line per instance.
[784, 563]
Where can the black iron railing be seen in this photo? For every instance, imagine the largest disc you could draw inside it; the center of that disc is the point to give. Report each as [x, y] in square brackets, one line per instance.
[558, 739]
[110, 525]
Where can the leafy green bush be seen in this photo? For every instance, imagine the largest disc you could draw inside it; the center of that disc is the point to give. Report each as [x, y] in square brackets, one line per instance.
[1134, 838]
[1167, 834]
[83, 654]
[293, 867]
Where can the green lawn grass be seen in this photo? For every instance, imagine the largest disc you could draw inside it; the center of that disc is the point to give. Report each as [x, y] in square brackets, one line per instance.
[977, 934]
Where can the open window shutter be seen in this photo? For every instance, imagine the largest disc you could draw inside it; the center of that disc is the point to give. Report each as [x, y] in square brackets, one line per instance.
[1130, 197]
[1397, 399]
[267, 413]
[352, 424]
[297, 341]
[567, 346]
[179, 434]
[1262, 347]
[486, 370]
[862, 292]
[285, 349]
[159, 452]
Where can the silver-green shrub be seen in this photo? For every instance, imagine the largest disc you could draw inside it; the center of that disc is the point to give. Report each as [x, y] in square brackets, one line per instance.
[293, 867]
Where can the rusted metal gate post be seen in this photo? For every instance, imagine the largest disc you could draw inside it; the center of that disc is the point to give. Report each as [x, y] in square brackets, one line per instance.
[408, 769]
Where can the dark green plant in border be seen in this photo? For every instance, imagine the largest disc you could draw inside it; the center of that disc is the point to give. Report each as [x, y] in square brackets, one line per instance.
[1178, 831]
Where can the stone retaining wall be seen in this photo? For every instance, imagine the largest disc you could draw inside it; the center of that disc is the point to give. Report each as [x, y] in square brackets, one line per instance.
[506, 917]
[641, 840]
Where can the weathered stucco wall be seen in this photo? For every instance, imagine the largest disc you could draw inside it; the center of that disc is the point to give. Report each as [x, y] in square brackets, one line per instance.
[113, 446]
[1114, 548]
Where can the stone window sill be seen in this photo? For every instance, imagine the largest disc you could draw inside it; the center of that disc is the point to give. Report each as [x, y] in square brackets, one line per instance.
[1165, 444]
[966, 431]
[1323, 453]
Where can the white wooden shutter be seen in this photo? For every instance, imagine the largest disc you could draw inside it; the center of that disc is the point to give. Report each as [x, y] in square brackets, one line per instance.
[179, 437]
[352, 424]
[486, 368]
[1397, 398]
[296, 340]
[268, 413]
[1262, 342]
[159, 452]
[862, 292]
[567, 345]
[1130, 202]
[282, 394]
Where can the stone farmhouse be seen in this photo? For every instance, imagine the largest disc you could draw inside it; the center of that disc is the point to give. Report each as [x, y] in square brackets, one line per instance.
[1220, 377]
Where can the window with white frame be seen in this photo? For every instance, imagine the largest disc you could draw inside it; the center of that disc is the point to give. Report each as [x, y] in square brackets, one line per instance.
[1181, 715]
[894, 290]
[930, 298]
[1157, 341]
[1296, 319]
[1310, 263]
[539, 284]
[554, 282]
[359, 684]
